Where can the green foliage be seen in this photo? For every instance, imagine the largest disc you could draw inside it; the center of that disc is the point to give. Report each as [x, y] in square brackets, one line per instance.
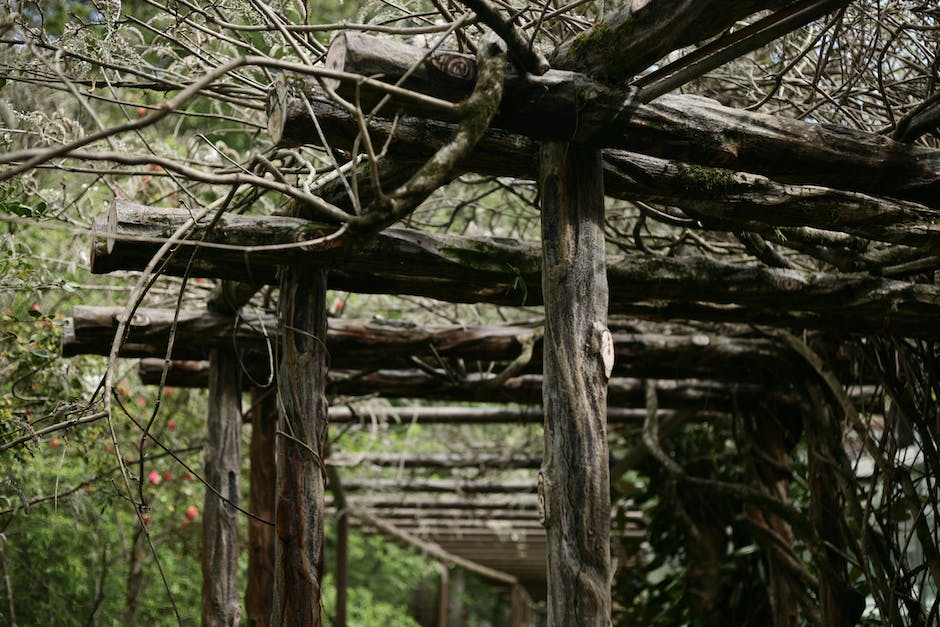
[656, 590]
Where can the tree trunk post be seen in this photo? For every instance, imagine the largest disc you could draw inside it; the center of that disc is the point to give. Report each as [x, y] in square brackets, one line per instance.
[220, 591]
[259, 593]
[342, 568]
[455, 608]
[574, 484]
[301, 437]
[443, 595]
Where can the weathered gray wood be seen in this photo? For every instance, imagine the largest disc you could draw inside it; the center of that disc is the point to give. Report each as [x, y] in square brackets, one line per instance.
[365, 344]
[574, 483]
[300, 446]
[732, 45]
[438, 460]
[490, 415]
[507, 272]
[527, 389]
[220, 589]
[722, 199]
[566, 106]
[643, 31]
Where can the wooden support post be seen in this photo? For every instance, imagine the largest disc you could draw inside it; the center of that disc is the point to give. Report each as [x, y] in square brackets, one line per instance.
[342, 568]
[574, 485]
[839, 604]
[342, 543]
[443, 596]
[301, 436]
[220, 590]
[455, 613]
[259, 593]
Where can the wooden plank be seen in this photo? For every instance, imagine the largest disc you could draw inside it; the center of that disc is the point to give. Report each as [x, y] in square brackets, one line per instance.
[220, 589]
[574, 483]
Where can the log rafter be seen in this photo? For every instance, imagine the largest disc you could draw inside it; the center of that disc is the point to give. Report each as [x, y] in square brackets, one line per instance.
[507, 272]
[369, 344]
[568, 106]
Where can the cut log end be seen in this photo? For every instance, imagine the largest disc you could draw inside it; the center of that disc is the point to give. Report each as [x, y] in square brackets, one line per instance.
[336, 58]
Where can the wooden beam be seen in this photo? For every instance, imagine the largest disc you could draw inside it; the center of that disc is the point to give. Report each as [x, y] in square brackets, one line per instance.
[364, 344]
[721, 198]
[507, 272]
[692, 129]
[689, 395]
[485, 415]
[634, 37]
[300, 446]
[574, 483]
[220, 589]
[436, 460]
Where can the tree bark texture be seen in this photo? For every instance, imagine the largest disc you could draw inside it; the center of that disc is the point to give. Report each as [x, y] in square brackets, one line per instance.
[637, 35]
[507, 272]
[369, 344]
[562, 105]
[768, 454]
[574, 484]
[300, 446]
[259, 593]
[721, 198]
[839, 604]
[220, 590]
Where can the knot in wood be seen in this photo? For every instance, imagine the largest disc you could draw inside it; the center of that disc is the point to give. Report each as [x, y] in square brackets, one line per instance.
[453, 65]
[137, 320]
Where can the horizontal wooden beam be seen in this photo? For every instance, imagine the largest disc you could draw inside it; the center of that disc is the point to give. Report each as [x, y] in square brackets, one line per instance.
[440, 486]
[439, 460]
[370, 344]
[720, 198]
[508, 272]
[567, 106]
[688, 395]
[488, 415]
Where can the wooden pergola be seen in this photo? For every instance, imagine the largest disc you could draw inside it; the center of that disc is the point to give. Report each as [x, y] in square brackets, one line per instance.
[687, 338]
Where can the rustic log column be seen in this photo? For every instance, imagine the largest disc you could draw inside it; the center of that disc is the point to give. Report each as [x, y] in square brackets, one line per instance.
[259, 593]
[302, 433]
[839, 604]
[220, 591]
[574, 491]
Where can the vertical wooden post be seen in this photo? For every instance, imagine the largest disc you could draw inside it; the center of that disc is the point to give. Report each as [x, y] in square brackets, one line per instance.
[259, 592]
[342, 544]
[342, 568]
[220, 590]
[839, 604]
[300, 441]
[455, 598]
[574, 484]
[443, 596]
